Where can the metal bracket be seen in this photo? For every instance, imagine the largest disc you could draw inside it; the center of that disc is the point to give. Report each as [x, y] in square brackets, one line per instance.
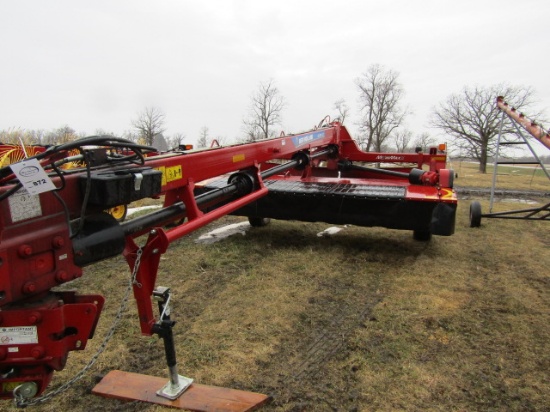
[173, 390]
[138, 178]
[177, 383]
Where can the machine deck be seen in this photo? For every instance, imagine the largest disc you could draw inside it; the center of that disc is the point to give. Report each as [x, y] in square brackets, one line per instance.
[360, 202]
[132, 386]
[320, 188]
[338, 189]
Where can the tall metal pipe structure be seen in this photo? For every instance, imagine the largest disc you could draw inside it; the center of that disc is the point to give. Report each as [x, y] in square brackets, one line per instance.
[531, 126]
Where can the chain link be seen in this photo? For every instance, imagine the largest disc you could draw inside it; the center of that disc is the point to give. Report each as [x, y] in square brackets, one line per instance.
[21, 401]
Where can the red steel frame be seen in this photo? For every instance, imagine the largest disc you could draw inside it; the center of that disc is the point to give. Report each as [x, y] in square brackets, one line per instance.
[206, 164]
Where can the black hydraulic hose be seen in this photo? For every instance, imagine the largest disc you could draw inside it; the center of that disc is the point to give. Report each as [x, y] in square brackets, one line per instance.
[103, 140]
[299, 161]
[347, 165]
[177, 210]
[11, 191]
[333, 149]
[237, 185]
[95, 140]
[103, 237]
[414, 176]
[158, 218]
[280, 168]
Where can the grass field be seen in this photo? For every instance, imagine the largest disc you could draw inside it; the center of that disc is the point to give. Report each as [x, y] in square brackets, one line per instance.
[367, 319]
[508, 176]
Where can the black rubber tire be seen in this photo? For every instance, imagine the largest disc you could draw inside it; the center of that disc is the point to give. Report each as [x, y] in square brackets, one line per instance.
[475, 214]
[422, 235]
[258, 221]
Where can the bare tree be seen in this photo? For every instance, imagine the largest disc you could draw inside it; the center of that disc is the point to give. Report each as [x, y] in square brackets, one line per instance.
[343, 109]
[402, 138]
[104, 132]
[18, 137]
[252, 133]
[472, 119]
[265, 111]
[149, 123]
[220, 140]
[203, 137]
[131, 135]
[61, 135]
[380, 95]
[176, 140]
[361, 140]
[424, 141]
[35, 136]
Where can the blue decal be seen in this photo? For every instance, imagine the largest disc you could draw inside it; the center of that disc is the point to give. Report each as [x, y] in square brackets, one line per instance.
[307, 138]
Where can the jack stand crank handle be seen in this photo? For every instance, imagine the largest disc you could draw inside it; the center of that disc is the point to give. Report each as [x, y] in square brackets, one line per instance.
[177, 384]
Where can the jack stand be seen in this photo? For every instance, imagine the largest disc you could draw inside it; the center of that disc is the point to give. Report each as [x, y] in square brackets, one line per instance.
[177, 384]
[179, 392]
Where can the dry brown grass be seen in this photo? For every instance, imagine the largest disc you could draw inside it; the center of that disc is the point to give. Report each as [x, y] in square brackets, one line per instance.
[365, 320]
[508, 176]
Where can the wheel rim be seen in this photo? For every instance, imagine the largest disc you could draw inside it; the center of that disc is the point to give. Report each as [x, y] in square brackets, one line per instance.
[118, 212]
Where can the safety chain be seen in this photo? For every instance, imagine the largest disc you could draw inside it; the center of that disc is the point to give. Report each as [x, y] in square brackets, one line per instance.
[21, 401]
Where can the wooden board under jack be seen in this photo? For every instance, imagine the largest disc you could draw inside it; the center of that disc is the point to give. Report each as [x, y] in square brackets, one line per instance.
[132, 386]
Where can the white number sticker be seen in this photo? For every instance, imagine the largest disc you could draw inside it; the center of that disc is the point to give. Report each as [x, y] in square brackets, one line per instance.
[32, 176]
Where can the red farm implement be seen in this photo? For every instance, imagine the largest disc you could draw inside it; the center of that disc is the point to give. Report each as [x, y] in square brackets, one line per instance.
[53, 225]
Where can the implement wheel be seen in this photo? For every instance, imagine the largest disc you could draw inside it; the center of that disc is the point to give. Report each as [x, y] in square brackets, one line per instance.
[118, 212]
[475, 214]
[258, 221]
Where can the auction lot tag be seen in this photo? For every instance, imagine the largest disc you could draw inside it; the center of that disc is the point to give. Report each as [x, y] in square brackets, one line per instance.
[32, 176]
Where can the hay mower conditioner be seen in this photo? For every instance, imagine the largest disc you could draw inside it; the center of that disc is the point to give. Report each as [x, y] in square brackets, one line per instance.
[53, 224]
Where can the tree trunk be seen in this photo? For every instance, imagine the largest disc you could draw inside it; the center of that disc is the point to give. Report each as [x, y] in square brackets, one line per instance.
[483, 160]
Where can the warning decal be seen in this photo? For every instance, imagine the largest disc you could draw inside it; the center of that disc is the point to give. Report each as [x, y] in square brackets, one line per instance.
[18, 335]
[24, 206]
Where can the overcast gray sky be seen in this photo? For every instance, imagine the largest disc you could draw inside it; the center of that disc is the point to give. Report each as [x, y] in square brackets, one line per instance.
[96, 64]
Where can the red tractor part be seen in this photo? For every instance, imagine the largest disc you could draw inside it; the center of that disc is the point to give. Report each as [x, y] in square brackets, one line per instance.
[36, 337]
